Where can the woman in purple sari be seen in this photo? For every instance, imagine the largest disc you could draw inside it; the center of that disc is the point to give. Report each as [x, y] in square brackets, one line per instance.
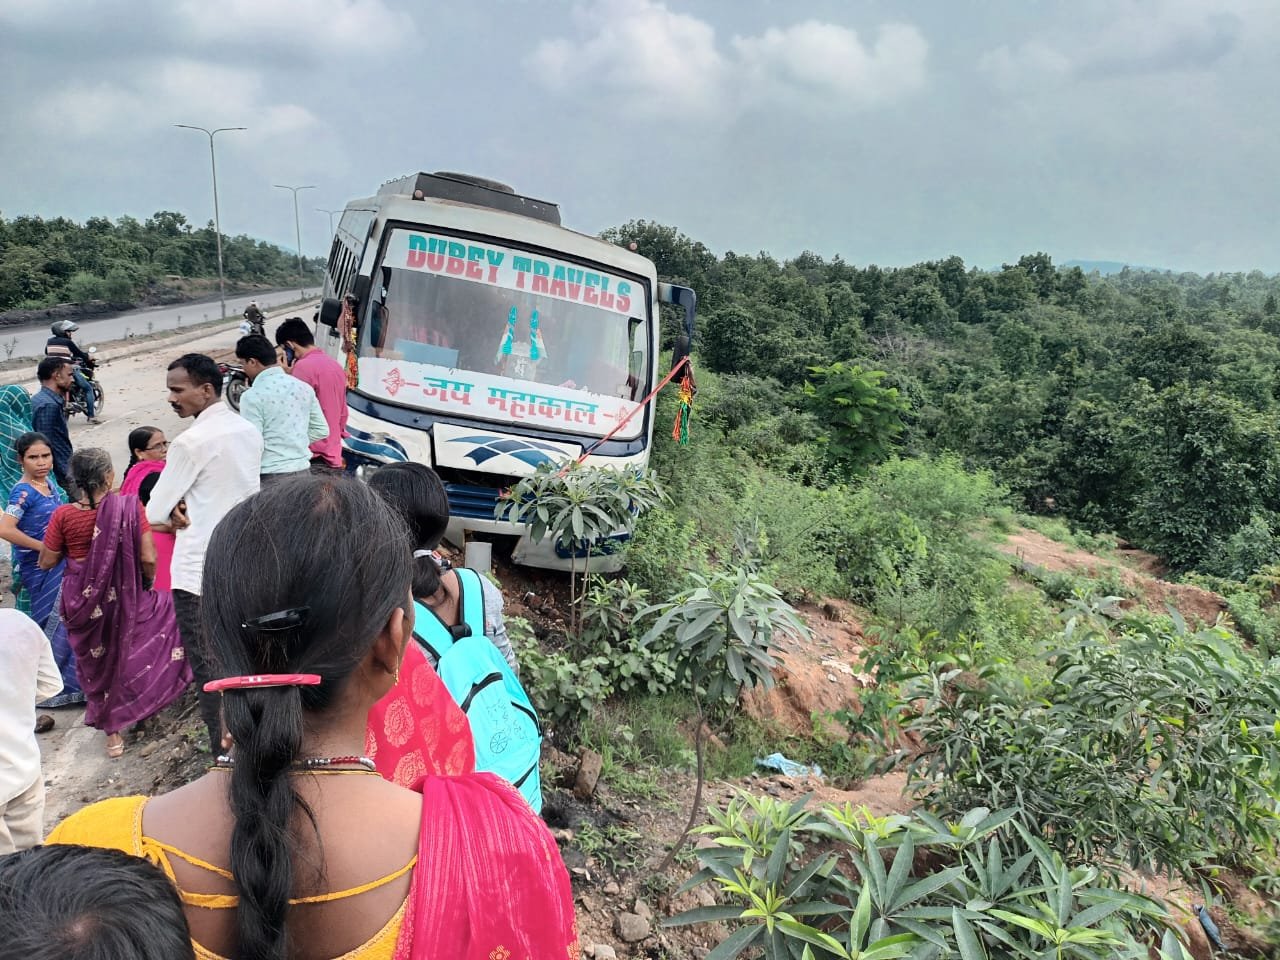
[131, 661]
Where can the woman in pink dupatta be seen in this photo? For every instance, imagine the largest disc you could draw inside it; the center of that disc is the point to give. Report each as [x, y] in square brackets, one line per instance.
[147, 450]
[129, 654]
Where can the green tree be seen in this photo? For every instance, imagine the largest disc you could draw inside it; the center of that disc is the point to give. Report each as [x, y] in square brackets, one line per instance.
[863, 418]
[1204, 466]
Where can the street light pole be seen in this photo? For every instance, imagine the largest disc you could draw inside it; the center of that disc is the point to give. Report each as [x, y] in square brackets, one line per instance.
[331, 214]
[217, 223]
[297, 232]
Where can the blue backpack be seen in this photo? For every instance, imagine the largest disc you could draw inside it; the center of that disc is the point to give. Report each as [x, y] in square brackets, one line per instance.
[504, 726]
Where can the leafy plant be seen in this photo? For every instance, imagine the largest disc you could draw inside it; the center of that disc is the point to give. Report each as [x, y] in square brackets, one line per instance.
[1153, 749]
[582, 508]
[835, 882]
[724, 631]
[565, 688]
[863, 417]
[610, 611]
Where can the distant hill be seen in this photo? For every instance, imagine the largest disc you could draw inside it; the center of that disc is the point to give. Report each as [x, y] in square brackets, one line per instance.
[1108, 267]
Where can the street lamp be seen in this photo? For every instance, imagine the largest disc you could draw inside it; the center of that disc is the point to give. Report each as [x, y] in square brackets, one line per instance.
[331, 214]
[217, 223]
[297, 232]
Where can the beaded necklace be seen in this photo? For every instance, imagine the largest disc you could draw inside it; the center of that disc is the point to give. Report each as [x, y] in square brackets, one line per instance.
[313, 764]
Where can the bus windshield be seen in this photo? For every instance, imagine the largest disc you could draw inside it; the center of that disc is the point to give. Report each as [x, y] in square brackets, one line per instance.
[480, 329]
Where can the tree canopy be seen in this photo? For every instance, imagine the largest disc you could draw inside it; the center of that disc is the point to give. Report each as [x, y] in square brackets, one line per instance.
[43, 262]
[1143, 402]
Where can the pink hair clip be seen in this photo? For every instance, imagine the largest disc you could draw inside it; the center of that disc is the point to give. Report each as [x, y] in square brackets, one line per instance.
[259, 681]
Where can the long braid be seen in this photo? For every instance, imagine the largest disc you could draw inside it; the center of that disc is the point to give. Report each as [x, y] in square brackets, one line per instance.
[267, 726]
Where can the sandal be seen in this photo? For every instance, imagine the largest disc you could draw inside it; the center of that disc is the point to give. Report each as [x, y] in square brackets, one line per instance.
[115, 746]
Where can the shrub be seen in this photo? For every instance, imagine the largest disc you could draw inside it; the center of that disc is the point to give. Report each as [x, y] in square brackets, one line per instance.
[1150, 748]
[1246, 551]
[911, 544]
[842, 883]
[664, 550]
[1256, 625]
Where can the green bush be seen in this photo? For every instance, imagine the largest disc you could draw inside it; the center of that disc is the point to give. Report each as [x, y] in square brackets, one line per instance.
[912, 546]
[1246, 551]
[835, 882]
[1152, 749]
[664, 550]
[83, 287]
[1255, 624]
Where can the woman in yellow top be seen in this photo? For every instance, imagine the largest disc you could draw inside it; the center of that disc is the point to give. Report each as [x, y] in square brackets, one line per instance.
[292, 848]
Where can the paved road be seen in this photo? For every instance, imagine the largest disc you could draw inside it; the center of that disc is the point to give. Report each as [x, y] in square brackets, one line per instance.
[31, 339]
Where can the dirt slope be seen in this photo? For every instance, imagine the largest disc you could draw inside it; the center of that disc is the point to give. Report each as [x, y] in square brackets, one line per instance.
[1136, 569]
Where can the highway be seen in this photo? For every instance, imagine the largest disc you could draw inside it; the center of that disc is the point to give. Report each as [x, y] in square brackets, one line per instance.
[31, 338]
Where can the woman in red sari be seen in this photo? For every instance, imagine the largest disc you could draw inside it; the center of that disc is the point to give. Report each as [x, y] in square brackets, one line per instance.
[125, 636]
[418, 728]
[292, 846]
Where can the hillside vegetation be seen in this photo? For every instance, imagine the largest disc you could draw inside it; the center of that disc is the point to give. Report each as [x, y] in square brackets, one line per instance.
[885, 438]
[45, 262]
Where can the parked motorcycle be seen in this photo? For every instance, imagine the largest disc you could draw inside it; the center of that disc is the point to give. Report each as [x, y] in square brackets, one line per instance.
[234, 384]
[76, 400]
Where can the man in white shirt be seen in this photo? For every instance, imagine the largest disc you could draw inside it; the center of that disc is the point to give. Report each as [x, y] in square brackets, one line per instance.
[28, 675]
[210, 467]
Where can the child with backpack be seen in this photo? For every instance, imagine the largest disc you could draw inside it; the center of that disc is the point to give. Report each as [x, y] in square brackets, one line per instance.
[462, 643]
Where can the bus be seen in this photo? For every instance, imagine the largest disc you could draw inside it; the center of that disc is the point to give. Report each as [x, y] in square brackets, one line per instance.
[489, 340]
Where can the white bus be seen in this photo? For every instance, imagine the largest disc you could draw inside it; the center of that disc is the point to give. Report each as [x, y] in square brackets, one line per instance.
[489, 340]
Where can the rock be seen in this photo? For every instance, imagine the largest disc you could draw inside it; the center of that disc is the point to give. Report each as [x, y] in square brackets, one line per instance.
[641, 909]
[148, 749]
[588, 904]
[611, 889]
[631, 928]
[589, 767]
[604, 952]
[563, 835]
[705, 895]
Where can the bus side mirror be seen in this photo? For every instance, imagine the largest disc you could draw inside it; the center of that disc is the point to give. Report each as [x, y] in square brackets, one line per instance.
[680, 351]
[330, 311]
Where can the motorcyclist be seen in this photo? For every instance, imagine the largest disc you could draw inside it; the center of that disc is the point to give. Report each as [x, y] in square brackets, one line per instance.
[62, 344]
[254, 321]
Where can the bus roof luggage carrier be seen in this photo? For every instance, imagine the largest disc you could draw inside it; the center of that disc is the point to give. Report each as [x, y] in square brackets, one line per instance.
[477, 191]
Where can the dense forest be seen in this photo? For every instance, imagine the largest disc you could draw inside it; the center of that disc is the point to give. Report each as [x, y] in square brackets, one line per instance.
[44, 262]
[1143, 403]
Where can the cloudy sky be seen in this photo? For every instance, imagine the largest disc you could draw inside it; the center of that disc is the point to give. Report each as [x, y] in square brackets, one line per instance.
[1130, 130]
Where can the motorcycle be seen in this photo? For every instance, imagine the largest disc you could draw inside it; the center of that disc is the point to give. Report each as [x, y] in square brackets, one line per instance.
[76, 400]
[234, 383]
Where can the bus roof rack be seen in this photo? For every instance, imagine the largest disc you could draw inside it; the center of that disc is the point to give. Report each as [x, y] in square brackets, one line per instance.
[464, 188]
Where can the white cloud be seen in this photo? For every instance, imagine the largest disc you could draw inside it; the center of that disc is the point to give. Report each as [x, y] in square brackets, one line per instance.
[165, 92]
[329, 28]
[823, 61]
[657, 57]
[1132, 39]
[662, 62]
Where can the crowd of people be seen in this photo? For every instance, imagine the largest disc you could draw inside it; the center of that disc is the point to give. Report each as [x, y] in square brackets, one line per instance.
[241, 555]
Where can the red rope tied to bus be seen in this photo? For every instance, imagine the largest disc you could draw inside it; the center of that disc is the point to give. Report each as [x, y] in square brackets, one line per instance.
[685, 364]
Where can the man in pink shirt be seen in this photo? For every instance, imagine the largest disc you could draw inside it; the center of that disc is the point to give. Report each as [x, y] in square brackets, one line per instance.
[326, 377]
